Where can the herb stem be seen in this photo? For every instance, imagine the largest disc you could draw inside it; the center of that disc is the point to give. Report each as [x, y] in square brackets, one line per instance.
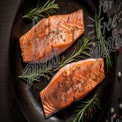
[102, 41]
[44, 72]
[77, 53]
[38, 12]
[85, 107]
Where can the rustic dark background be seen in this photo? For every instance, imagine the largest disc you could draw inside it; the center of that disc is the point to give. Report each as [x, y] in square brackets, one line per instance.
[9, 109]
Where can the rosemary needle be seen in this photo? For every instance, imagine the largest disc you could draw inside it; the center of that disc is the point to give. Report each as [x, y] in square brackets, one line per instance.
[35, 75]
[102, 42]
[77, 53]
[38, 12]
[86, 106]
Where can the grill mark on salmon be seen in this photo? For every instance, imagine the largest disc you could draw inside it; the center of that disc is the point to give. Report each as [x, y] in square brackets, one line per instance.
[55, 33]
[71, 83]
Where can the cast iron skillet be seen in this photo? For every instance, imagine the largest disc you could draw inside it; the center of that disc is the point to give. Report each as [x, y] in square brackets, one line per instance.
[28, 99]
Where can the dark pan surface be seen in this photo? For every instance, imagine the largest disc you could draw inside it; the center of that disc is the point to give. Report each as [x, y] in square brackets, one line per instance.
[28, 99]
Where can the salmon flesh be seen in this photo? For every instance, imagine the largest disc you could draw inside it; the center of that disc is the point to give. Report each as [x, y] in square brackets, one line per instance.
[51, 35]
[71, 83]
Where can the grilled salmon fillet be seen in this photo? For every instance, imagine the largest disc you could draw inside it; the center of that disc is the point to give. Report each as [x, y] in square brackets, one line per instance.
[51, 35]
[71, 83]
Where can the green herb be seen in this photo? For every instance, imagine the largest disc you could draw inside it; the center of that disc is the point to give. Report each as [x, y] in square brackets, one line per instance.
[34, 75]
[38, 12]
[77, 53]
[101, 38]
[86, 107]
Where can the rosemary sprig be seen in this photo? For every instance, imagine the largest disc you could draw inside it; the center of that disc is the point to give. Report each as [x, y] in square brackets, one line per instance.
[86, 107]
[48, 8]
[102, 41]
[77, 53]
[35, 73]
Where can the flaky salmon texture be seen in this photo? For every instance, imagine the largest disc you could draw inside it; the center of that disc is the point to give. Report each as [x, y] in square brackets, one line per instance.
[71, 83]
[51, 35]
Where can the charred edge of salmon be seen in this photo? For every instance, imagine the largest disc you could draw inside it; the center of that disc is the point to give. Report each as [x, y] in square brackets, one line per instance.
[49, 106]
[31, 45]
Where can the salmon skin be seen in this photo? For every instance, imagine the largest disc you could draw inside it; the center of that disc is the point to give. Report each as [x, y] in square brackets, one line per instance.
[53, 34]
[71, 83]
